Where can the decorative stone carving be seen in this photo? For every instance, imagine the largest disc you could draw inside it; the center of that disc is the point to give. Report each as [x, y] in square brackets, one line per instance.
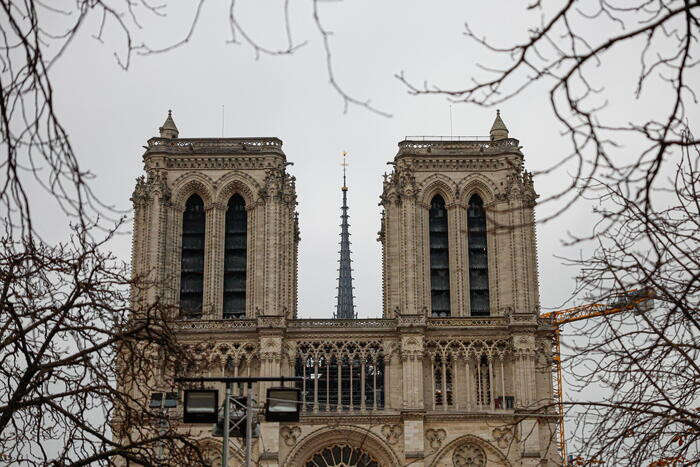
[334, 323]
[496, 321]
[401, 183]
[518, 185]
[410, 320]
[435, 437]
[468, 347]
[279, 184]
[270, 348]
[503, 436]
[147, 188]
[392, 433]
[290, 434]
[411, 347]
[469, 455]
[218, 354]
[271, 321]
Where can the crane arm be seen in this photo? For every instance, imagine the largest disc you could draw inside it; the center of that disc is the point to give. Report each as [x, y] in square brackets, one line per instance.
[641, 299]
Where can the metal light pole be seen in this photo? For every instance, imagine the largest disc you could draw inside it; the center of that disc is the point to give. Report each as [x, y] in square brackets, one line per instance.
[249, 425]
[224, 449]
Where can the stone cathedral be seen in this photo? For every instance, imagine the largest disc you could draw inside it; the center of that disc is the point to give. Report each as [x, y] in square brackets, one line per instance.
[456, 368]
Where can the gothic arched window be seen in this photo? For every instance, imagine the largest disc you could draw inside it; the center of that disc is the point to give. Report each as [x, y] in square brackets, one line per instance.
[192, 260]
[478, 259]
[439, 258]
[235, 258]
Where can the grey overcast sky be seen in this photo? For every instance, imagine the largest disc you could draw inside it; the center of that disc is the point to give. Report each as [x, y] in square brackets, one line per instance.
[110, 113]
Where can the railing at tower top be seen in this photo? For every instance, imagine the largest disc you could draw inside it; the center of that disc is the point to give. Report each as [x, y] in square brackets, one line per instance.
[447, 138]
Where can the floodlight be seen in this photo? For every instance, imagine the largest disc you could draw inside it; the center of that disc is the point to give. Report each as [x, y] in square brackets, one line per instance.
[201, 406]
[283, 404]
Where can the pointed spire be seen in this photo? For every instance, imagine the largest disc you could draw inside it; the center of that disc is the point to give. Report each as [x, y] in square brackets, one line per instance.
[169, 130]
[498, 129]
[345, 308]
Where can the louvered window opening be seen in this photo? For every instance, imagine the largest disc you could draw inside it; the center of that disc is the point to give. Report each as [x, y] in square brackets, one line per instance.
[192, 259]
[478, 258]
[235, 258]
[342, 384]
[439, 258]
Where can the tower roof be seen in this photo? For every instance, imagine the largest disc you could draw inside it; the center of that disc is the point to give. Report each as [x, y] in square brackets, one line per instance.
[169, 130]
[498, 129]
[345, 309]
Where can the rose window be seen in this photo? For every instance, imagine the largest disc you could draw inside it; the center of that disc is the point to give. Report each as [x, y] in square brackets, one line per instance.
[341, 456]
[469, 455]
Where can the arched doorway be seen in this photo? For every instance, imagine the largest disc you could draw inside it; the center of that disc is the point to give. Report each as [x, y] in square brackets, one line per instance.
[341, 455]
[344, 446]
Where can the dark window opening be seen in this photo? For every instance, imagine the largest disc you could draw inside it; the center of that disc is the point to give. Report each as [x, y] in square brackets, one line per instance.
[478, 258]
[235, 258]
[328, 383]
[439, 258]
[192, 261]
[438, 364]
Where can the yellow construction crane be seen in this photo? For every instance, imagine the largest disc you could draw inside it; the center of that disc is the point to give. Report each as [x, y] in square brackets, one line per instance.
[627, 301]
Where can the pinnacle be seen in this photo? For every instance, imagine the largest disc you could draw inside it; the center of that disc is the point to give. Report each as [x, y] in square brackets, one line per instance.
[169, 129]
[498, 129]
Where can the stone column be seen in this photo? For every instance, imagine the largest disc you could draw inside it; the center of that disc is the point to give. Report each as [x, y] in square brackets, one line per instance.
[525, 388]
[213, 298]
[414, 440]
[270, 359]
[412, 359]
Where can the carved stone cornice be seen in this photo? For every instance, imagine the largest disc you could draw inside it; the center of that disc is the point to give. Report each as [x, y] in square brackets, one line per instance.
[354, 324]
[427, 147]
[412, 414]
[228, 146]
[518, 321]
[214, 325]
[271, 322]
[410, 321]
[373, 418]
[457, 322]
[454, 416]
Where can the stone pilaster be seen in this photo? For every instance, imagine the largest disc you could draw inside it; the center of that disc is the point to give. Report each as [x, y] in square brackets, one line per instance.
[270, 359]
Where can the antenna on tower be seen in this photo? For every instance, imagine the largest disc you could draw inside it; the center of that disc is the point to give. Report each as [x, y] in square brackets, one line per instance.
[223, 110]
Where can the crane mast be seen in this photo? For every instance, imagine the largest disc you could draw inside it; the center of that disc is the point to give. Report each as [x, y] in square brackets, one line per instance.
[638, 299]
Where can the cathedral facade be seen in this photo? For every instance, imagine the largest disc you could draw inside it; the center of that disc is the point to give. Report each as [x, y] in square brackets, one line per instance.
[456, 371]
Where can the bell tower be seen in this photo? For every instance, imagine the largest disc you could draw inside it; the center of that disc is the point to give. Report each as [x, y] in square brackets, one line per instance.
[215, 226]
[457, 229]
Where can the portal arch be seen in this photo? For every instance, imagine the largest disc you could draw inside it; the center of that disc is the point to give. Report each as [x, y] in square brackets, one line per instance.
[325, 444]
